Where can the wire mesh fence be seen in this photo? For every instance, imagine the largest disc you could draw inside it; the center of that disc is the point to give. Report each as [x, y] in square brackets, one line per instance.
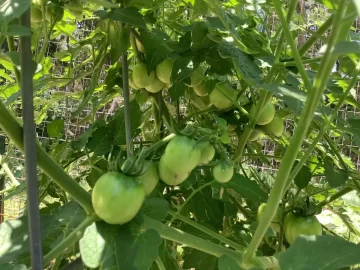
[60, 102]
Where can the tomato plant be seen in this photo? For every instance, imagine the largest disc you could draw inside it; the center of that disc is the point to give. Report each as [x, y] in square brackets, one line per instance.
[162, 129]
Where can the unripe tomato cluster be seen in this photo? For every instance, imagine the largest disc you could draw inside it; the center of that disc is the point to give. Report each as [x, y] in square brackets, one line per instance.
[118, 197]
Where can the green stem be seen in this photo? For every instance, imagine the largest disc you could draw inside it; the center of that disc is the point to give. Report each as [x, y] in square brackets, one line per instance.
[160, 263]
[212, 233]
[8, 172]
[189, 240]
[335, 196]
[322, 131]
[74, 236]
[181, 207]
[293, 63]
[15, 132]
[11, 45]
[301, 130]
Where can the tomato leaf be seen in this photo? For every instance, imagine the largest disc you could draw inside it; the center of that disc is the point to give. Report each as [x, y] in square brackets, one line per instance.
[284, 90]
[335, 176]
[136, 251]
[244, 63]
[119, 247]
[303, 178]
[199, 260]
[55, 128]
[247, 188]
[128, 15]
[10, 10]
[320, 252]
[177, 90]
[155, 208]
[228, 263]
[9, 266]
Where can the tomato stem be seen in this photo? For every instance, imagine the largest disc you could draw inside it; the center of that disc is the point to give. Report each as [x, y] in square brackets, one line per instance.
[216, 250]
[212, 233]
[339, 28]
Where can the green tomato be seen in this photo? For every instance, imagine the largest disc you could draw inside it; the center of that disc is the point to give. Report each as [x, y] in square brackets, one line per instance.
[275, 223]
[164, 69]
[155, 86]
[117, 198]
[255, 135]
[218, 99]
[168, 176]
[150, 178]
[266, 115]
[275, 127]
[295, 226]
[207, 152]
[201, 89]
[181, 156]
[140, 76]
[223, 172]
[197, 76]
[132, 84]
[36, 14]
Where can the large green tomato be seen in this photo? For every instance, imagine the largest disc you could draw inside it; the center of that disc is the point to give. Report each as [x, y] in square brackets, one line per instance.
[295, 226]
[150, 178]
[181, 156]
[36, 14]
[164, 69]
[140, 76]
[223, 172]
[168, 176]
[266, 115]
[201, 89]
[207, 152]
[155, 86]
[275, 223]
[275, 127]
[117, 198]
[197, 76]
[218, 99]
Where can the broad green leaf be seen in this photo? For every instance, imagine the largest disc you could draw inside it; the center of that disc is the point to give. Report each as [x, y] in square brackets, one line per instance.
[101, 140]
[347, 47]
[167, 256]
[177, 90]
[55, 128]
[320, 252]
[331, 4]
[136, 251]
[12, 9]
[247, 188]
[200, 7]
[303, 178]
[244, 63]
[199, 260]
[128, 15]
[17, 30]
[97, 246]
[228, 263]
[357, 5]
[206, 208]
[55, 224]
[9, 266]
[284, 90]
[335, 176]
[181, 70]
[155, 208]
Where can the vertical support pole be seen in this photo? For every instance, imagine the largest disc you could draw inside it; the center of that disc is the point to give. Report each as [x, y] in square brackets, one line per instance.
[126, 95]
[29, 137]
